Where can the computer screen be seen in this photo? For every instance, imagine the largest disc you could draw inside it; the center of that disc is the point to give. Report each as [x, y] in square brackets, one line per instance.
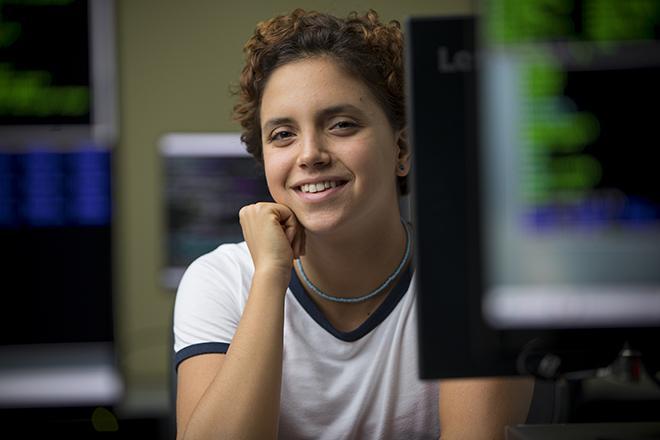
[57, 136]
[57, 71]
[568, 148]
[536, 205]
[56, 235]
[208, 178]
[43, 88]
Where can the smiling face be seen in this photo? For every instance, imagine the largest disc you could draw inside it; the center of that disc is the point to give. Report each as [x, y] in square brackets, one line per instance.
[330, 153]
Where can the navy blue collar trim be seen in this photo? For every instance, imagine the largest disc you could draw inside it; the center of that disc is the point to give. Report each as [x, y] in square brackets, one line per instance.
[383, 311]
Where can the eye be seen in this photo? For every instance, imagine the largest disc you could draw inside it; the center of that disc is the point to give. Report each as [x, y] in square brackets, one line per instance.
[344, 125]
[280, 135]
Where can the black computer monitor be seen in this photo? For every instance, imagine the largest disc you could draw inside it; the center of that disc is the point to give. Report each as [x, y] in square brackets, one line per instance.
[58, 129]
[58, 73]
[535, 195]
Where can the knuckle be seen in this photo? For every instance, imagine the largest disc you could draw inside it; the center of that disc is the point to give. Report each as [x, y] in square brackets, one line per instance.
[244, 211]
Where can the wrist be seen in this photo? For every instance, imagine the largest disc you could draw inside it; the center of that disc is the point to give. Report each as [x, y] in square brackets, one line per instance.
[275, 276]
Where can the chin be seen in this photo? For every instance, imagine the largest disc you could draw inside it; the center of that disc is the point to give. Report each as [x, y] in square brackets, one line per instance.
[321, 223]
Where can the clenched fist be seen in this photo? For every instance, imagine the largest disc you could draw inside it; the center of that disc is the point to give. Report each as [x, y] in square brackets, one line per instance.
[273, 235]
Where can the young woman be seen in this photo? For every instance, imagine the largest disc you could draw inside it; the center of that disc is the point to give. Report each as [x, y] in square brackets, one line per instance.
[307, 329]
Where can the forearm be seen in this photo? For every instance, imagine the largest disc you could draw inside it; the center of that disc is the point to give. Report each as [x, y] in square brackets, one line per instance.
[243, 399]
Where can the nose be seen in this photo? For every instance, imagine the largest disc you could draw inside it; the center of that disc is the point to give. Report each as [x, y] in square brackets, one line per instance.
[313, 152]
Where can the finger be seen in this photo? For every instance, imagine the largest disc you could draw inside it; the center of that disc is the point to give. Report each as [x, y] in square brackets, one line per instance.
[299, 239]
[299, 243]
[286, 217]
[288, 221]
[290, 233]
[296, 246]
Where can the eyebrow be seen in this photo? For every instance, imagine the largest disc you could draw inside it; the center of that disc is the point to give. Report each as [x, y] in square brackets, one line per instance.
[321, 114]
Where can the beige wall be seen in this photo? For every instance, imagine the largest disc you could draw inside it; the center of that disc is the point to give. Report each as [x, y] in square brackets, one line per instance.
[176, 62]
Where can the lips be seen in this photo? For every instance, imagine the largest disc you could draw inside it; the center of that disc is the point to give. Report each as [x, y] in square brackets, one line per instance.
[316, 188]
[319, 186]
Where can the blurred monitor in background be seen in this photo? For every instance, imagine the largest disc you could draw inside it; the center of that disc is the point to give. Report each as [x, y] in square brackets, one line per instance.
[208, 178]
[57, 133]
[57, 73]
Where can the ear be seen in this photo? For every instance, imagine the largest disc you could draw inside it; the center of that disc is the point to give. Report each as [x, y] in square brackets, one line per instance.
[403, 152]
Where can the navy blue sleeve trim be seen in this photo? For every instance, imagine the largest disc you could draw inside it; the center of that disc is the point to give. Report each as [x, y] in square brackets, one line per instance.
[194, 350]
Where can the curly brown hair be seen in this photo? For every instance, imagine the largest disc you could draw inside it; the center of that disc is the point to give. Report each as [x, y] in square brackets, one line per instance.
[370, 50]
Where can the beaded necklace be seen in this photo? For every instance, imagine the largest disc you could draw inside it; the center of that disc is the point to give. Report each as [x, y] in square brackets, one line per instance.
[369, 295]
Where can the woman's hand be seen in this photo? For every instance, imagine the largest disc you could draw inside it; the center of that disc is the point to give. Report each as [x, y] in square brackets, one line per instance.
[273, 235]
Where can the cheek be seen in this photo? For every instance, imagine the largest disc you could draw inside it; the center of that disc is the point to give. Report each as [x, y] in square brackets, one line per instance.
[276, 170]
[379, 159]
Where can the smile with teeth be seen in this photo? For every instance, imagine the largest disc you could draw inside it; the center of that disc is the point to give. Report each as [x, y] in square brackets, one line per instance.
[318, 187]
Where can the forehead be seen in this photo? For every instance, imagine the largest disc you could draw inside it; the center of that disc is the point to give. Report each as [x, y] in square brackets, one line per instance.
[308, 84]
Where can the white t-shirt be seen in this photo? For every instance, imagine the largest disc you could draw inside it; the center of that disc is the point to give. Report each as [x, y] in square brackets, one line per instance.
[361, 384]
